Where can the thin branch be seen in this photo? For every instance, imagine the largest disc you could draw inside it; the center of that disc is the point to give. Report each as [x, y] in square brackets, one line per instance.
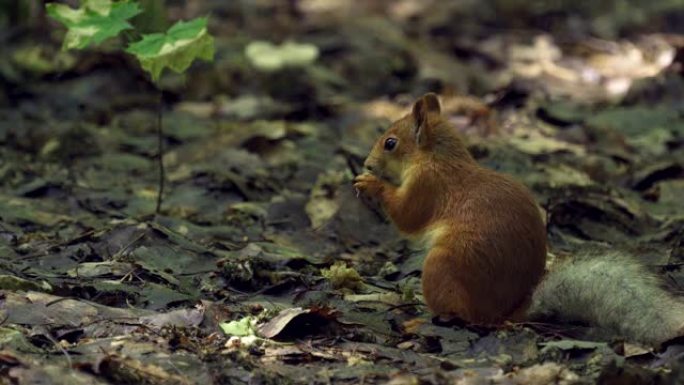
[160, 149]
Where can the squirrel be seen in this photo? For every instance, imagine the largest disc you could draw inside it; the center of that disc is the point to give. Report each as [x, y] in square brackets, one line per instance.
[486, 240]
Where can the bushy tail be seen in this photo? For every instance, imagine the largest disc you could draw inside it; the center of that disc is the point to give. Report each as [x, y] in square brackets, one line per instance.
[612, 292]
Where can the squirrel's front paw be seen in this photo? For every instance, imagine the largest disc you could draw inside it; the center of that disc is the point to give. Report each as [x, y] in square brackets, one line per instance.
[368, 184]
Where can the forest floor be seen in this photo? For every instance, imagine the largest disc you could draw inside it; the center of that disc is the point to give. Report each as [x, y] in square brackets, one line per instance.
[263, 266]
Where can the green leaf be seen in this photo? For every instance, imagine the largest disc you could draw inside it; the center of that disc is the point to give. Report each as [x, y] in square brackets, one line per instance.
[241, 328]
[268, 57]
[94, 22]
[177, 48]
[98, 6]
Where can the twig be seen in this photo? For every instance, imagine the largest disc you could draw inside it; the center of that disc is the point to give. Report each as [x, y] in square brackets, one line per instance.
[160, 149]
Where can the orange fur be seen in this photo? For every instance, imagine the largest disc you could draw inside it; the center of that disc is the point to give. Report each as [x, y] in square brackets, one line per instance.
[486, 238]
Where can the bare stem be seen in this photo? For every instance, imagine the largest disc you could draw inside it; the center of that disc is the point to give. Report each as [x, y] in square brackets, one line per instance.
[160, 151]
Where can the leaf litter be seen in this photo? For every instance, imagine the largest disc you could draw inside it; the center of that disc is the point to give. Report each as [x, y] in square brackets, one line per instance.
[264, 267]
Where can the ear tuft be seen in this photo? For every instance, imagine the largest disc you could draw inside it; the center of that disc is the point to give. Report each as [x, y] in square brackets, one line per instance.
[431, 103]
[427, 104]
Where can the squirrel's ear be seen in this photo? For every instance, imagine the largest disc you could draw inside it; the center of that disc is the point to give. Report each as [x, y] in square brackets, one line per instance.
[427, 104]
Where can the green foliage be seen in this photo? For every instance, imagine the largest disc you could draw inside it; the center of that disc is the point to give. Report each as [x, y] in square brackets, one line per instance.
[94, 22]
[176, 49]
[241, 328]
[268, 57]
[98, 20]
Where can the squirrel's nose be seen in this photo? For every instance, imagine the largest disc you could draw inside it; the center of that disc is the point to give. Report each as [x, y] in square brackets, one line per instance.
[368, 165]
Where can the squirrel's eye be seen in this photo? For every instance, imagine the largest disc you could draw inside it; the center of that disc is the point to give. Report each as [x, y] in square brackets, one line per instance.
[390, 144]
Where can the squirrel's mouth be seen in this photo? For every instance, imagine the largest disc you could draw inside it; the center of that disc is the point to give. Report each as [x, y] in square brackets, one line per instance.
[387, 178]
[379, 168]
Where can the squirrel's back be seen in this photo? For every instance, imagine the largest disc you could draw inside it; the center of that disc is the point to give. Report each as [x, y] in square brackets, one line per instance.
[496, 246]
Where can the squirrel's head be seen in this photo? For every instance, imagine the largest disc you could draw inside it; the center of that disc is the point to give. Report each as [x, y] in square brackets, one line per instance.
[422, 132]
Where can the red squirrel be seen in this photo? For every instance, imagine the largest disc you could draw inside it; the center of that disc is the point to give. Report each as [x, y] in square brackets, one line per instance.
[486, 240]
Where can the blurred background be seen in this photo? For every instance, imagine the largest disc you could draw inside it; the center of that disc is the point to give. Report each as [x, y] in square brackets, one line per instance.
[583, 101]
[374, 49]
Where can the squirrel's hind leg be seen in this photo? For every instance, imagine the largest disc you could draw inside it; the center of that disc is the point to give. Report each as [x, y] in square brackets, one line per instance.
[443, 290]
